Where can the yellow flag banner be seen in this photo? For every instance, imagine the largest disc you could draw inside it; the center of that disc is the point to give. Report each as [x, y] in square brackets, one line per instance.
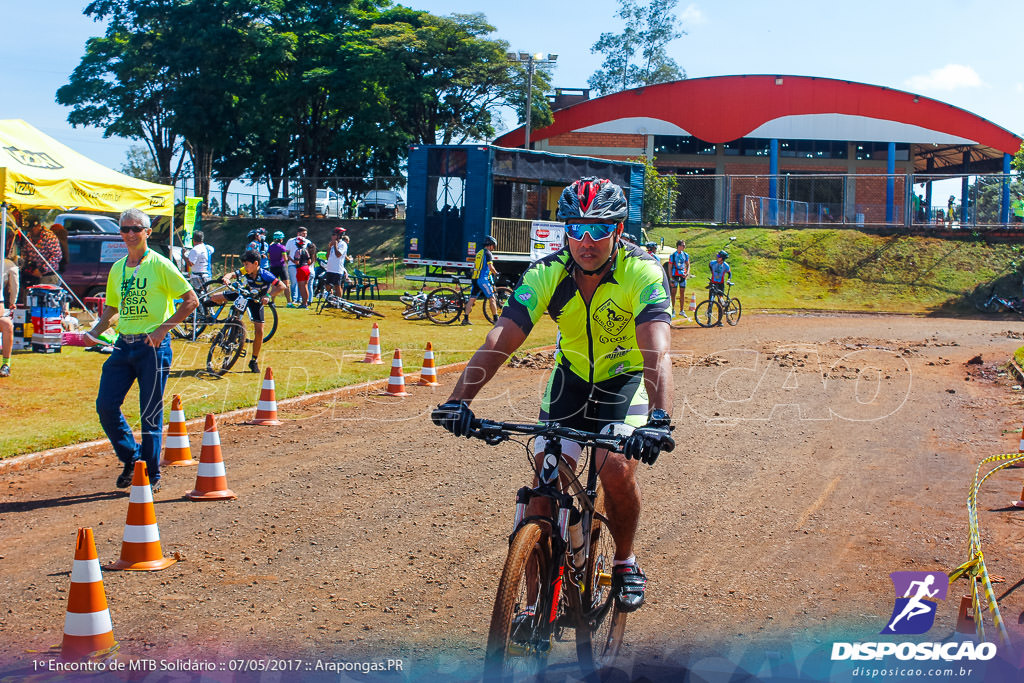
[192, 205]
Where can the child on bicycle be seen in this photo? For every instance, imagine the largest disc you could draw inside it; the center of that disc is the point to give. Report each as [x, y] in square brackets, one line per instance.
[256, 279]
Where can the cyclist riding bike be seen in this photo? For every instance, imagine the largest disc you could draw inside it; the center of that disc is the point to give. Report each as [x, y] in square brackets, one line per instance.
[610, 300]
[720, 273]
[256, 279]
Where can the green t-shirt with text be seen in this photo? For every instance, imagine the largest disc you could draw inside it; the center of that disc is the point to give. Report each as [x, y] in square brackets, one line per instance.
[144, 296]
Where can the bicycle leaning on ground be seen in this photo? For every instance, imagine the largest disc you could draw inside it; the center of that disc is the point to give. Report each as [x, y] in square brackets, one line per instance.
[446, 305]
[719, 302]
[557, 576]
[193, 326]
[990, 302]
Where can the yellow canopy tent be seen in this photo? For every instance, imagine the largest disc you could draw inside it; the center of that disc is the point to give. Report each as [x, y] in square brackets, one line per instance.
[36, 171]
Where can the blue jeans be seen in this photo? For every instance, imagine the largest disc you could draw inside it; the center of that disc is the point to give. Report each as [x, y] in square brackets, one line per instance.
[131, 362]
[293, 281]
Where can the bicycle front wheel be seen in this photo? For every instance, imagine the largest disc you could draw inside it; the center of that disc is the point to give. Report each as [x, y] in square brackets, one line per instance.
[225, 348]
[599, 636]
[444, 306]
[987, 304]
[501, 297]
[733, 311]
[519, 637]
[708, 313]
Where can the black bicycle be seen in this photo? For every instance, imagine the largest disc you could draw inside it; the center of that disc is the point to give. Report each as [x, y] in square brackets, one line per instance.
[196, 323]
[446, 305]
[332, 302]
[990, 302]
[229, 341]
[557, 578]
[718, 304]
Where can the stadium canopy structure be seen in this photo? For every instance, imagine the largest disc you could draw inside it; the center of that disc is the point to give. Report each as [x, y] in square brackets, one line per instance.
[771, 124]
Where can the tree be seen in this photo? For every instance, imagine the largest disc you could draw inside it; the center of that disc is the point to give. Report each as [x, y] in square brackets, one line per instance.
[139, 164]
[658, 191]
[637, 56]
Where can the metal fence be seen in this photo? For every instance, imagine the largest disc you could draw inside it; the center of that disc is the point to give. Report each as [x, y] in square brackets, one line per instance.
[875, 199]
[245, 197]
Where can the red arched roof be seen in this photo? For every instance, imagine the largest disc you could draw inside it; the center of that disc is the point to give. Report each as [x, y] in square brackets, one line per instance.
[724, 108]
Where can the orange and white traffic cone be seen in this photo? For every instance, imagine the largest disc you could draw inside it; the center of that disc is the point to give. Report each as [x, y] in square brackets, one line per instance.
[266, 409]
[1019, 503]
[1020, 449]
[211, 480]
[693, 301]
[428, 375]
[140, 549]
[87, 630]
[177, 452]
[373, 349]
[396, 382]
[965, 617]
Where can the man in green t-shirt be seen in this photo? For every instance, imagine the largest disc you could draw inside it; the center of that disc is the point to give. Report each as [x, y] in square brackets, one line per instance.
[141, 289]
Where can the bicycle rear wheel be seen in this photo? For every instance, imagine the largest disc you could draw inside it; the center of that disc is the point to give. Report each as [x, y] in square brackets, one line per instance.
[987, 304]
[733, 311]
[519, 640]
[599, 636]
[225, 348]
[269, 322]
[501, 297]
[444, 306]
[708, 313]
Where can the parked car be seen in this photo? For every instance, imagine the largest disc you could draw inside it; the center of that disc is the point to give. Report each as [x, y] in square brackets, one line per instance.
[277, 208]
[328, 204]
[382, 204]
[87, 223]
[89, 257]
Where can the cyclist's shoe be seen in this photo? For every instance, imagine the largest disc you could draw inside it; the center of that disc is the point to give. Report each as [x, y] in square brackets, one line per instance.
[155, 486]
[5, 370]
[254, 365]
[465, 321]
[124, 480]
[628, 583]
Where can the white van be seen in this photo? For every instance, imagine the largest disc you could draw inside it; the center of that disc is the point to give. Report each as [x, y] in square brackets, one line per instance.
[328, 205]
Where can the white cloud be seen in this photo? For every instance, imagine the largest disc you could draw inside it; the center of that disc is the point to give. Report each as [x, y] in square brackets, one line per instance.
[692, 16]
[949, 77]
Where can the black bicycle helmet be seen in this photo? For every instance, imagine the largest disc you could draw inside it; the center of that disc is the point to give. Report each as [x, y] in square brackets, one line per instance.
[723, 254]
[489, 241]
[593, 197]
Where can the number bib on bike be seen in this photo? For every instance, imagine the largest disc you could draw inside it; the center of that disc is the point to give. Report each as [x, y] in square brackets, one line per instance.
[597, 341]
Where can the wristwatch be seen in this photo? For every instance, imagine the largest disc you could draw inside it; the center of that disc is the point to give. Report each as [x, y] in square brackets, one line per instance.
[659, 418]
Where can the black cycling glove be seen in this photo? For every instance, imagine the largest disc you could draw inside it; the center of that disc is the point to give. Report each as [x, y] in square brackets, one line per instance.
[647, 442]
[455, 416]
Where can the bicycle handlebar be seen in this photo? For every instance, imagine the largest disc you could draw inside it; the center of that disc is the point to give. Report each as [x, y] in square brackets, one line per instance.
[495, 433]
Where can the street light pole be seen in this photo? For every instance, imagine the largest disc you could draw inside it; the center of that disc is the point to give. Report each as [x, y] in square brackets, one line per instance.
[531, 61]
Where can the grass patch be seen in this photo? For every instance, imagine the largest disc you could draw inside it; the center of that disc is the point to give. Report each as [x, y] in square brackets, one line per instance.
[850, 270]
[49, 399]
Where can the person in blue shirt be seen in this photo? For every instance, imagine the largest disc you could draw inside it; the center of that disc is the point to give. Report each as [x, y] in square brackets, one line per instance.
[255, 278]
[678, 272]
[720, 272]
[483, 280]
[258, 243]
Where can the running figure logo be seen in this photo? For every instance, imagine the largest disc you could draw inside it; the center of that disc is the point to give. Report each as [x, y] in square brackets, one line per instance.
[916, 596]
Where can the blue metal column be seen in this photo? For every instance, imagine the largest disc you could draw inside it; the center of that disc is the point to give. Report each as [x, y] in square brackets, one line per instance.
[890, 182]
[1004, 207]
[773, 182]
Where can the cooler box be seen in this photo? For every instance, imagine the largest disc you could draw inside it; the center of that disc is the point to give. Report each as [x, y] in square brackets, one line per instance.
[22, 329]
[46, 304]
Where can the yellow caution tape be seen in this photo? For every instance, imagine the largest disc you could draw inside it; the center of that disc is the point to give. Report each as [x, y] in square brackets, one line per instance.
[975, 564]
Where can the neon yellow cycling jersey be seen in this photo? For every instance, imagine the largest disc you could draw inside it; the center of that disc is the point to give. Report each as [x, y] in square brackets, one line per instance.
[597, 341]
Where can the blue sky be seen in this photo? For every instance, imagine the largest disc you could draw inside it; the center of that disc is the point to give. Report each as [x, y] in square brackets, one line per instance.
[958, 52]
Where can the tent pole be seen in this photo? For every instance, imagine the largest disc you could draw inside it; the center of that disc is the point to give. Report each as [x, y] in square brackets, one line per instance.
[3, 252]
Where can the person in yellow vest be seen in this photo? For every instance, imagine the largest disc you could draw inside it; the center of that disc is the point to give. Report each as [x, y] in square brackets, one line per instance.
[483, 280]
[141, 290]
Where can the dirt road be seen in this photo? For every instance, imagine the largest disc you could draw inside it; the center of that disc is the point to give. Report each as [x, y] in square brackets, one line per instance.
[816, 455]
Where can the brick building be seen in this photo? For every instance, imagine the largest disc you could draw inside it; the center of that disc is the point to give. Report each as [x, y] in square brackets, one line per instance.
[852, 151]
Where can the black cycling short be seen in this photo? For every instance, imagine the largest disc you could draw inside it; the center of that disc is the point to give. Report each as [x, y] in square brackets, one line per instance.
[575, 403]
[280, 272]
[332, 279]
[255, 306]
